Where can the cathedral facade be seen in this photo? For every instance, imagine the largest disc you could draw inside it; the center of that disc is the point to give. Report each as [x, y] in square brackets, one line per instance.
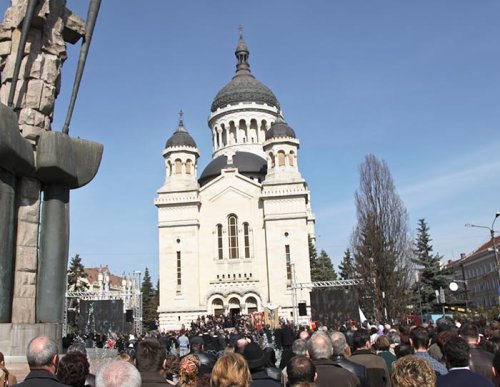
[234, 239]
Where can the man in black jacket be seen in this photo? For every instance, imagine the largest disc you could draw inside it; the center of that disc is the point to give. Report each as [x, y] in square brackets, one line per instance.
[320, 351]
[339, 343]
[481, 361]
[150, 361]
[42, 359]
[262, 376]
[207, 359]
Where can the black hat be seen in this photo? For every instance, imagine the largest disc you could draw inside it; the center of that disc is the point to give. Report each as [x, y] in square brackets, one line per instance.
[254, 356]
[197, 340]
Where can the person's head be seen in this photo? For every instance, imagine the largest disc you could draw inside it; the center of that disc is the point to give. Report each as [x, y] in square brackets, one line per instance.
[73, 369]
[393, 337]
[339, 343]
[382, 343]
[197, 344]
[412, 371]
[2, 359]
[419, 338]
[456, 352]
[43, 353]
[402, 350]
[319, 346]
[304, 334]
[118, 373]
[77, 347]
[470, 333]
[444, 323]
[299, 347]
[300, 369]
[171, 365]
[254, 356]
[231, 370]
[150, 355]
[361, 339]
[188, 370]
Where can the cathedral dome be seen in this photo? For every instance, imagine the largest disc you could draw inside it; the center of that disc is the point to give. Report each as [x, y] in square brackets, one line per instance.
[248, 164]
[243, 87]
[181, 137]
[280, 129]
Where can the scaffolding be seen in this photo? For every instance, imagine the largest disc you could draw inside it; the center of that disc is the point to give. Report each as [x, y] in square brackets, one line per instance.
[130, 293]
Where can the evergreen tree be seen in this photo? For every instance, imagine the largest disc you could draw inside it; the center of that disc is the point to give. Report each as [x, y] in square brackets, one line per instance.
[325, 269]
[149, 302]
[76, 273]
[313, 261]
[346, 267]
[430, 275]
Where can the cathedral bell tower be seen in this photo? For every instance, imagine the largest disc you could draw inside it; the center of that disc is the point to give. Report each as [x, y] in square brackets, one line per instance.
[181, 155]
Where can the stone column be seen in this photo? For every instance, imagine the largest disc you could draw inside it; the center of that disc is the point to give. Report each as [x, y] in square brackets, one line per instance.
[37, 87]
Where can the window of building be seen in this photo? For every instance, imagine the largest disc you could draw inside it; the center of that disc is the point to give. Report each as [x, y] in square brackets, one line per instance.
[291, 159]
[179, 272]
[281, 159]
[220, 251]
[188, 167]
[288, 263]
[178, 167]
[246, 236]
[233, 236]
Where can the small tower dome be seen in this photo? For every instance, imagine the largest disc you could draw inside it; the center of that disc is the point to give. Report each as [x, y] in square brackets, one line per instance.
[181, 137]
[280, 129]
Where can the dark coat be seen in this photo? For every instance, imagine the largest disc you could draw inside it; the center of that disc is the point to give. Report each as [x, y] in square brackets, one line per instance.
[481, 362]
[376, 368]
[357, 369]
[262, 379]
[463, 378]
[41, 378]
[330, 374]
[152, 379]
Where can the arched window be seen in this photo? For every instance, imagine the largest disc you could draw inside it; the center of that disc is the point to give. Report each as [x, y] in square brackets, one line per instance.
[220, 251]
[233, 236]
[291, 159]
[178, 166]
[281, 158]
[246, 237]
[169, 168]
[188, 166]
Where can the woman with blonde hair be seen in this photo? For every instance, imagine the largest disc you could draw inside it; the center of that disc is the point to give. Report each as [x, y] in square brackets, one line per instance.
[412, 371]
[231, 370]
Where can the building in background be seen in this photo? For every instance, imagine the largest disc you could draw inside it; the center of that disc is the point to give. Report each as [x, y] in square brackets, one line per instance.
[235, 239]
[477, 276]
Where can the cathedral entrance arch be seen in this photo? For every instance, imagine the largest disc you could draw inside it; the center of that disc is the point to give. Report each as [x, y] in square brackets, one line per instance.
[217, 307]
[234, 309]
[251, 304]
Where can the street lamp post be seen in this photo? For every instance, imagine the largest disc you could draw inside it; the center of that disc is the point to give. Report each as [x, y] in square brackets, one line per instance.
[492, 235]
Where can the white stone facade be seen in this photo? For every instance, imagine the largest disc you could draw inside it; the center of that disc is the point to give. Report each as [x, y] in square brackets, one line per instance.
[235, 241]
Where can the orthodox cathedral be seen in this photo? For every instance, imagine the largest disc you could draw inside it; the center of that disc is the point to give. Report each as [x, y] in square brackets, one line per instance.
[235, 238]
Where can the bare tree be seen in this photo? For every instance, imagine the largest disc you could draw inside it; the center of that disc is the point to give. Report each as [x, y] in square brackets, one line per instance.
[380, 242]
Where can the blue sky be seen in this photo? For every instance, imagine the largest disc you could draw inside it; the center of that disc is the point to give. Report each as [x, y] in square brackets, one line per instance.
[415, 83]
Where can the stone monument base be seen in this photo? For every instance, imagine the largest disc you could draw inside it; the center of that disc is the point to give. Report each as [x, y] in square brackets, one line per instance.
[14, 338]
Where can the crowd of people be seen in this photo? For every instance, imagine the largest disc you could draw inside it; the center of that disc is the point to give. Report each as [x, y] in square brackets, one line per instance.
[208, 354]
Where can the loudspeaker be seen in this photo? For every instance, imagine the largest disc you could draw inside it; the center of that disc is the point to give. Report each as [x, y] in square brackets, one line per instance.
[71, 317]
[302, 309]
[129, 315]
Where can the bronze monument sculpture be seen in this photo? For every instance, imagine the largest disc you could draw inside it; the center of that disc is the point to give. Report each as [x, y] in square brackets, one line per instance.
[38, 166]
